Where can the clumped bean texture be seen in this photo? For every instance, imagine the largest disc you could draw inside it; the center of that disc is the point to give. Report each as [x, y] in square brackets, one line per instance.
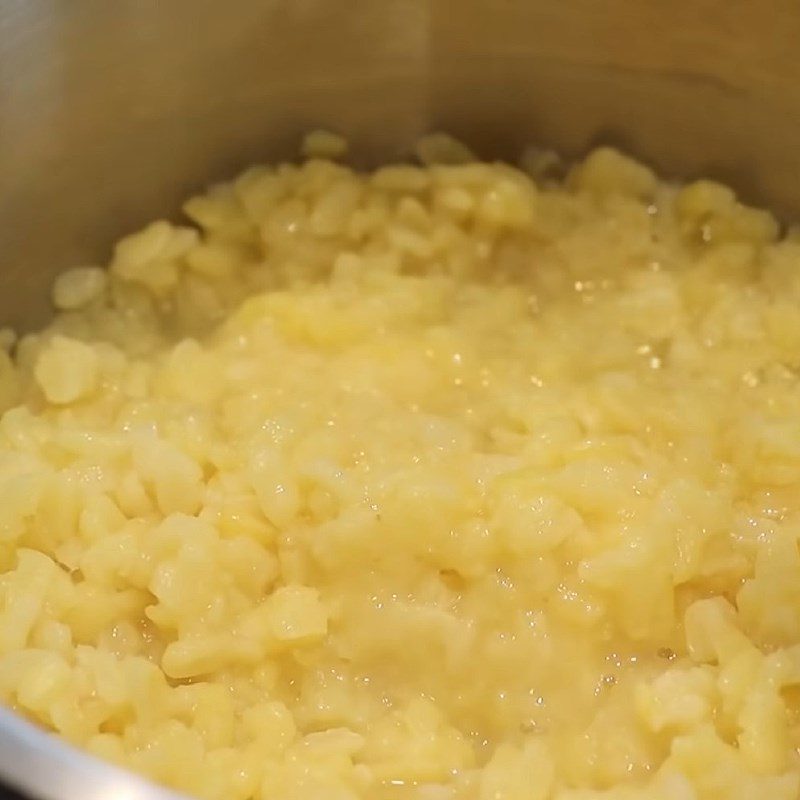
[439, 482]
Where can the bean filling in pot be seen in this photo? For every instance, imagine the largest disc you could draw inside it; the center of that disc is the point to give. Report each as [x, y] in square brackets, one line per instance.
[449, 480]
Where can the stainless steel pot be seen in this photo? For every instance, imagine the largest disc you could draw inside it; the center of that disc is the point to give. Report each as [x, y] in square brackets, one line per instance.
[110, 112]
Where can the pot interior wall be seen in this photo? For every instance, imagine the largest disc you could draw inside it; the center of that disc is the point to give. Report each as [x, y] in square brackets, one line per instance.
[110, 113]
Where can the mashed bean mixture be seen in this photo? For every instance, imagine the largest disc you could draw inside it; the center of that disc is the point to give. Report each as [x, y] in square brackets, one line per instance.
[436, 482]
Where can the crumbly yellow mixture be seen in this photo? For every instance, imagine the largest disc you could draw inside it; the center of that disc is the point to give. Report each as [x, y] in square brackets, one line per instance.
[435, 482]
